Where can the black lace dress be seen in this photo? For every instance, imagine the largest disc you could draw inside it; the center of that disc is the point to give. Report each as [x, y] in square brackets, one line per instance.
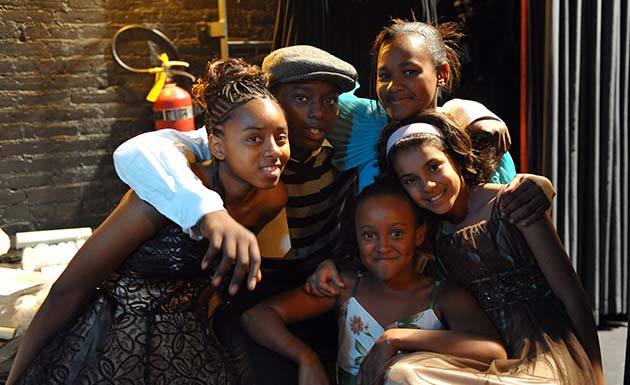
[145, 327]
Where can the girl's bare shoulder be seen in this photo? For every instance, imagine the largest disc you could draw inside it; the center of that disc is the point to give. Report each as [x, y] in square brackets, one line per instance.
[349, 278]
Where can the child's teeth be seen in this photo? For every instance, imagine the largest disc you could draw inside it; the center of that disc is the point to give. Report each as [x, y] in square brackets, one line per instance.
[436, 197]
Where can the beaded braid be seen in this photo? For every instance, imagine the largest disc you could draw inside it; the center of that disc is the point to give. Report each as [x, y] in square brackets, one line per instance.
[226, 84]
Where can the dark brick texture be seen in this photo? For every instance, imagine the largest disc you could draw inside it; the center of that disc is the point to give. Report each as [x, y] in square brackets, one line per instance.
[65, 104]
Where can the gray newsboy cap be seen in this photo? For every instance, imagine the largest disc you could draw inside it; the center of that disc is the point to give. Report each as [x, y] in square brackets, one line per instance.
[304, 62]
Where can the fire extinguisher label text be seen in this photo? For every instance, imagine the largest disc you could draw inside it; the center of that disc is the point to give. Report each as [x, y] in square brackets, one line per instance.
[173, 114]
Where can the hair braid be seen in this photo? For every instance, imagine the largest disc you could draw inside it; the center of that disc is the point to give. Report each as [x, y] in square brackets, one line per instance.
[226, 84]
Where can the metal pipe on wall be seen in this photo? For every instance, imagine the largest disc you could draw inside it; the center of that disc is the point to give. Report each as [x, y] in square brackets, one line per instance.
[222, 4]
[216, 29]
[219, 30]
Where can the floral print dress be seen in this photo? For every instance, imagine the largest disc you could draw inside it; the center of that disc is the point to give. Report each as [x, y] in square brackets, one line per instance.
[358, 331]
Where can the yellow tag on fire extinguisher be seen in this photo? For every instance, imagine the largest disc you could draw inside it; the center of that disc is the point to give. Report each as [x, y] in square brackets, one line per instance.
[160, 79]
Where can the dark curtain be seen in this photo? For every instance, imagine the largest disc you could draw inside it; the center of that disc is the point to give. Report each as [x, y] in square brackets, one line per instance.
[578, 96]
[345, 28]
[490, 60]
[302, 22]
[578, 64]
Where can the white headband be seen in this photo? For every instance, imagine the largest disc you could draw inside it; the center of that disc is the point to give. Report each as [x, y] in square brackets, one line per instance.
[411, 129]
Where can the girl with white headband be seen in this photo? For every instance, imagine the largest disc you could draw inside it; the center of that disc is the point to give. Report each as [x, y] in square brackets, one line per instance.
[520, 275]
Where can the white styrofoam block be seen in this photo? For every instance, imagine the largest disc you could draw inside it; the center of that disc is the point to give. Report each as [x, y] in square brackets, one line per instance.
[5, 242]
[33, 238]
[6, 333]
[14, 280]
[34, 258]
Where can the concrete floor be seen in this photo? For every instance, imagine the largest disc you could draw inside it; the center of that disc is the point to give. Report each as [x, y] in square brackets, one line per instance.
[612, 340]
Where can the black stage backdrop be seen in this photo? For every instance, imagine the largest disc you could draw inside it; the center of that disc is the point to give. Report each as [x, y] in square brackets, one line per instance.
[578, 129]
[578, 64]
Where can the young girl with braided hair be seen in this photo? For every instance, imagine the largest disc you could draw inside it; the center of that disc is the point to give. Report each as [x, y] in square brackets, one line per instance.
[520, 275]
[126, 309]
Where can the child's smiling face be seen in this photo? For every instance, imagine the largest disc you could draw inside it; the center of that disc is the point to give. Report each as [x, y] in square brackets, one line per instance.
[387, 235]
[407, 80]
[429, 176]
[311, 111]
[254, 143]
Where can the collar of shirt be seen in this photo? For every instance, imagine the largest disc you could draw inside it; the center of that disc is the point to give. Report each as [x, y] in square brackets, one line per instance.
[325, 144]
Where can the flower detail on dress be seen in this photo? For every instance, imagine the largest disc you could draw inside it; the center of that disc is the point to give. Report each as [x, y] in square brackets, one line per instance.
[357, 325]
[411, 322]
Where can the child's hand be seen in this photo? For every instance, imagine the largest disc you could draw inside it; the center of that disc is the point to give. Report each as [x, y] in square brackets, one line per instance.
[374, 362]
[493, 133]
[312, 372]
[526, 198]
[324, 281]
[240, 250]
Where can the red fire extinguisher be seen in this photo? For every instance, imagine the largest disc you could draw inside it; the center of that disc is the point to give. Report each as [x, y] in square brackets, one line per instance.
[172, 105]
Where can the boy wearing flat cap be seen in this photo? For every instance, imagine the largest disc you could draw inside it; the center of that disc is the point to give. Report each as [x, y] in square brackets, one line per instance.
[307, 82]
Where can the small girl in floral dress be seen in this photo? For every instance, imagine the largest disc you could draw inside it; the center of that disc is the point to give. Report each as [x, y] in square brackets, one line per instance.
[387, 309]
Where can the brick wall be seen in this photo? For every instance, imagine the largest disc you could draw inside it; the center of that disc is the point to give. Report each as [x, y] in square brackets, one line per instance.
[65, 105]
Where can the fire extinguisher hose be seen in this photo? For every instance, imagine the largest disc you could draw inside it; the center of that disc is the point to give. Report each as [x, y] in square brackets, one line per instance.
[163, 72]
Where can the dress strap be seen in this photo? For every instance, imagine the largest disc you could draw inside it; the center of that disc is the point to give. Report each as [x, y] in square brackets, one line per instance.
[434, 292]
[356, 283]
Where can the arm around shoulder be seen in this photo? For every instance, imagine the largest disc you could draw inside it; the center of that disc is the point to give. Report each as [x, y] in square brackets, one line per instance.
[480, 122]
[156, 165]
[526, 198]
